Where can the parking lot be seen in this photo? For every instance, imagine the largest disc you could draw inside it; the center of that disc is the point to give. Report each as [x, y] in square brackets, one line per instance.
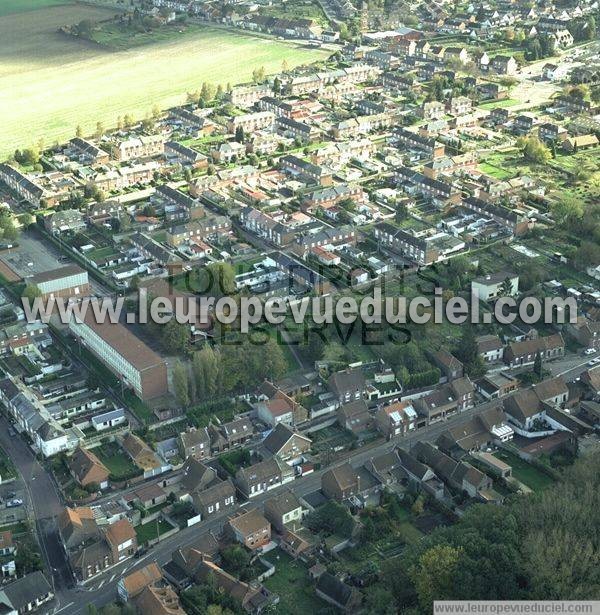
[32, 256]
[9, 492]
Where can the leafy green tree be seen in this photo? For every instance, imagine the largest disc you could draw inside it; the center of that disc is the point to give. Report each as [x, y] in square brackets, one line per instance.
[534, 150]
[175, 337]
[568, 207]
[181, 383]
[31, 292]
[434, 576]
[273, 363]
[331, 518]
[506, 288]
[468, 354]
[240, 136]
[205, 367]
[235, 558]
[538, 366]
[587, 255]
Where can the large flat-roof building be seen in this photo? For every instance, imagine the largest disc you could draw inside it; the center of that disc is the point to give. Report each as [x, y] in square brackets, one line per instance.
[124, 354]
[68, 281]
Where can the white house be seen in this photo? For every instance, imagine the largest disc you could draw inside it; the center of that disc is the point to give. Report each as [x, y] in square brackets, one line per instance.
[490, 287]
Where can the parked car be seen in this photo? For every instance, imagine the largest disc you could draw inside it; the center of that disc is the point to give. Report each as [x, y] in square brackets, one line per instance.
[14, 503]
[589, 351]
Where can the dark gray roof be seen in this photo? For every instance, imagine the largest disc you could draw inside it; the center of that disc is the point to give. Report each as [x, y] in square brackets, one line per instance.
[216, 493]
[279, 437]
[335, 589]
[26, 590]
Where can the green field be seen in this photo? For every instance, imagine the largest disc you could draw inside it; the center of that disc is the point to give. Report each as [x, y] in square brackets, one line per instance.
[11, 7]
[50, 82]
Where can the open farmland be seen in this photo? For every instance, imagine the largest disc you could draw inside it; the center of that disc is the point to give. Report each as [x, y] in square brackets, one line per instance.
[50, 83]
[9, 7]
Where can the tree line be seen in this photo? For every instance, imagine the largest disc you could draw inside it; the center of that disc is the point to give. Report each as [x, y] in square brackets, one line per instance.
[544, 546]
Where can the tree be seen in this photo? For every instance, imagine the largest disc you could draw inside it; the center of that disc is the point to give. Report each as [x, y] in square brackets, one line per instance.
[181, 384]
[30, 292]
[331, 518]
[273, 363]
[8, 229]
[587, 255]
[530, 275]
[538, 366]
[567, 208]
[506, 288]
[401, 211]
[418, 506]
[222, 279]
[259, 75]
[235, 558]
[380, 600]
[134, 283]
[175, 337]
[99, 130]
[148, 123]
[84, 28]
[468, 354]
[534, 150]
[91, 191]
[79, 131]
[457, 269]
[29, 156]
[205, 367]
[435, 574]
[240, 137]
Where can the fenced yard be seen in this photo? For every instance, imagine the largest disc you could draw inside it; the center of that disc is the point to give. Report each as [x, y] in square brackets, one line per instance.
[525, 472]
[292, 584]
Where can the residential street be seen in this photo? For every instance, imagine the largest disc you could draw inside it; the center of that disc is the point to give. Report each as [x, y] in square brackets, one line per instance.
[102, 589]
[44, 505]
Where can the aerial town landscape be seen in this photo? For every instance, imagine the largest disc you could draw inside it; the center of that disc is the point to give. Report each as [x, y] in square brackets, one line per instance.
[279, 152]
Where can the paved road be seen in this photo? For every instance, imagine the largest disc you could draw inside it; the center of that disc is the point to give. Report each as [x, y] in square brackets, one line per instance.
[102, 589]
[45, 504]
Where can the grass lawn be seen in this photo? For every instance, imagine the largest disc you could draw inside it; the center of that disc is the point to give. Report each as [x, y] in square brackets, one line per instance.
[291, 583]
[118, 463]
[493, 104]
[50, 83]
[17, 529]
[152, 530]
[524, 472]
[11, 7]
[494, 171]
